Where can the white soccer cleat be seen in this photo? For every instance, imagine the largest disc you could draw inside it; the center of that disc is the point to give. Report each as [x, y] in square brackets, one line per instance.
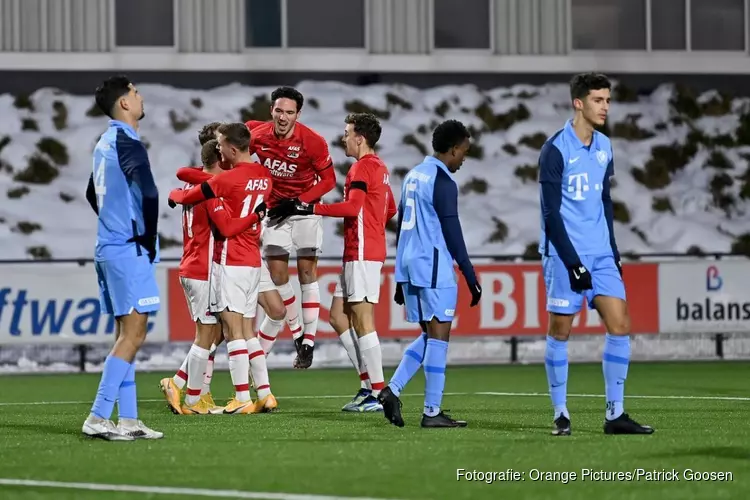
[96, 427]
[137, 429]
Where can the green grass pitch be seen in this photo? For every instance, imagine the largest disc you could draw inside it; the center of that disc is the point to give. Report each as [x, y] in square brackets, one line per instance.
[700, 412]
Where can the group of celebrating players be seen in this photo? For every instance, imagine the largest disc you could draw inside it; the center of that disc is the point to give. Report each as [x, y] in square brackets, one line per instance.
[241, 220]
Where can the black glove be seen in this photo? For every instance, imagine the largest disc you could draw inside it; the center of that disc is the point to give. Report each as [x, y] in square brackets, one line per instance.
[302, 208]
[146, 242]
[261, 210]
[398, 297]
[171, 202]
[476, 293]
[580, 278]
[283, 209]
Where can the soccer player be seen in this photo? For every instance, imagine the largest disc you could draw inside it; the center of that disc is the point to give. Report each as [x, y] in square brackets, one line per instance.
[579, 253]
[429, 240]
[367, 207]
[235, 273]
[301, 167]
[122, 193]
[195, 268]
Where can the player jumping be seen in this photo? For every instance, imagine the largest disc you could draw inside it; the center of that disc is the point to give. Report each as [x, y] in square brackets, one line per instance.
[301, 167]
[579, 253]
[123, 194]
[235, 273]
[429, 240]
[367, 207]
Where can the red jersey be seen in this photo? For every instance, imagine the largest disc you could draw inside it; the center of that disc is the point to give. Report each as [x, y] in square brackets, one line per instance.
[197, 241]
[295, 164]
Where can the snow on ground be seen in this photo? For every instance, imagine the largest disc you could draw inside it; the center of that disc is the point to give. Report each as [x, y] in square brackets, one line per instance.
[67, 228]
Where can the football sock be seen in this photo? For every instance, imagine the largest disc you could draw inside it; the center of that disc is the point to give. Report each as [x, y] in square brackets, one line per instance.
[310, 311]
[239, 369]
[369, 349]
[114, 372]
[198, 359]
[556, 364]
[410, 363]
[127, 399]
[292, 314]
[269, 330]
[615, 361]
[435, 360]
[208, 375]
[347, 340]
[259, 368]
[180, 378]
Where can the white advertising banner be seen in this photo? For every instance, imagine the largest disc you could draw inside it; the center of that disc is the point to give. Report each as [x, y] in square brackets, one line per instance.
[704, 297]
[59, 304]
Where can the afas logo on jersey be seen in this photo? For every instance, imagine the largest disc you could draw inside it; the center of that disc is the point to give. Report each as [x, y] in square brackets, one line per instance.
[257, 185]
[293, 151]
[280, 168]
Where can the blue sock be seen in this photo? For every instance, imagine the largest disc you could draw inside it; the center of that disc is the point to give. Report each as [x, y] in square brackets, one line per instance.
[127, 401]
[435, 359]
[409, 364]
[115, 370]
[615, 361]
[556, 364]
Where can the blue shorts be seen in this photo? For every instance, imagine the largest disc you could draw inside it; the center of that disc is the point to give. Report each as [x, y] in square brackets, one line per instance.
[604, 276]
[127, 284]
[423, 304]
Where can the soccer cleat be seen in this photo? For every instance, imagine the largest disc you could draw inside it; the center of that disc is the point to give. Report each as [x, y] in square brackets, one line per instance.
[626, 425]
[209, 400]
[370, 404]
[562, 426]
[304, 357]
[353, 405]
[137, 429]
[172, 394]
[236, 407]
[266, 405]
[442, 420]
[297, 347]
[95, 427]
[200, 408]
[391, 407]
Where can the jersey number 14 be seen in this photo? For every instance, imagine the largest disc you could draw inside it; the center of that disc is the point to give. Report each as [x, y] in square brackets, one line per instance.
[251, 200]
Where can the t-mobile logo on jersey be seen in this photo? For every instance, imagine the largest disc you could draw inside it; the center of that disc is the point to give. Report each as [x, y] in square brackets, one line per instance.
[579, 184]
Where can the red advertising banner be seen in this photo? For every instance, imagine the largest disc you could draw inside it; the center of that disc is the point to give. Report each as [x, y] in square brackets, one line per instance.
[513, 303]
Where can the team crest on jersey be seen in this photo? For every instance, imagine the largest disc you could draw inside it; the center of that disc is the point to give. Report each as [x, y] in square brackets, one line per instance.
[602, 158]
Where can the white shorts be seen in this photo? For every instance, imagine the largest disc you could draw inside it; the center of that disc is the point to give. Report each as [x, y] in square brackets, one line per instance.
[266, 283]
[196, 294]
[304, 234]
[359, 281]
[234, 288]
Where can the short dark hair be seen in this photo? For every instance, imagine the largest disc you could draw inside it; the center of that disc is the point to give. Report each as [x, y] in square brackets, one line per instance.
[367, 125]
[208, 132]
[449, 134]
[583, 83]
[210, 152]
[288, 93]
[110, 91]
[237, 134]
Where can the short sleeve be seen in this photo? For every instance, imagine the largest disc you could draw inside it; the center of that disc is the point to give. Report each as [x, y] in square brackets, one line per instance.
[320, 158]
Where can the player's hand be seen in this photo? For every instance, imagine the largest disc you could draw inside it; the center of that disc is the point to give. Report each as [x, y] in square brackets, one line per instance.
[146, 242]
[476, 293]
[261, 210]
[283, 209]
[580, 278]
[302, 208]
[174, 195]
[398, 297]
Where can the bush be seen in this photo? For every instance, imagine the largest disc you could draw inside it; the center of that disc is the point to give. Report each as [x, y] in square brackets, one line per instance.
[741, 245]
[661, 204]
[501, 121]
[620, 212]
[196, 102]
[259, 109]
[60, 116]
[23, 101]
[665, 160]
[338, 142]
[717, 186]
[720, 104]
[18, 192]
[39, 253]
[25, 227]
[442, 108]
[4, 142]
[340, 229]
[499, 233]
[661, 126]
[475, 151]
[695, 251]
[94, 111]
[5, 167]
[343, 168]
[532, 251]
[313, 103]
[395, 100]
[629, 129]
[422, 129]
[527, 173]
[623, 93]
[640, 234]
[167, 242]
[399, 172]
[474, 185]
[38, 171]
[535, 141]
[67, 198]
[179, 124]
[357, 106]
[745, 187]
[685, 103]
[54, 149]
[719, 160]
[411, 140]
[525, 94]
[29, 124]
[697, 137]
[510, 149]
[742, 133]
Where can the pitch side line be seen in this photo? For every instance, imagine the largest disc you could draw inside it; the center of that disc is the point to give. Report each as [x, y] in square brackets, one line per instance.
[482, 393]
[160, 490]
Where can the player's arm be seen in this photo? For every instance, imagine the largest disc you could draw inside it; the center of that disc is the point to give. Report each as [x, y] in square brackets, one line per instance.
[348, 208]
[609, 210]
[391, 211]
[323, 166]
[133, 160]
[227, 225]
[91, 194]
[193, 175]
[211, 188]
[550, 177]
[445, 201]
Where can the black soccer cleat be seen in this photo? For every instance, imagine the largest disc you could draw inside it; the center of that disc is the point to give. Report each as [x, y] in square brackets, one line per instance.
[304, 357]
[391, 406]
[562, 426]
[626, 425]
[442, 419]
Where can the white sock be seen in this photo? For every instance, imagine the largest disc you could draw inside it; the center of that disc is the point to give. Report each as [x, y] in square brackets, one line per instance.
[268, 332]
[292, 314]
[310, 311]
[369, 349]
[239, 369]
[208, 375]
[197, 360]
[347, 340]
[259, 368]
[180, 378]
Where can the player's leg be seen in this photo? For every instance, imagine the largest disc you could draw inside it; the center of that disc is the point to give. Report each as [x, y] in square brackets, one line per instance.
[307, 239]
[609, 301]
[198, 361]
[270, 300]
[218, 338]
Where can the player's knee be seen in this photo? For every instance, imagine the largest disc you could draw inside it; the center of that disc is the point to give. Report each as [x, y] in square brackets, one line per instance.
[280, 277]
[363, 323]
[339, 321]
[560, 326]
[276, 311]
[307, 275]
[620, 325]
